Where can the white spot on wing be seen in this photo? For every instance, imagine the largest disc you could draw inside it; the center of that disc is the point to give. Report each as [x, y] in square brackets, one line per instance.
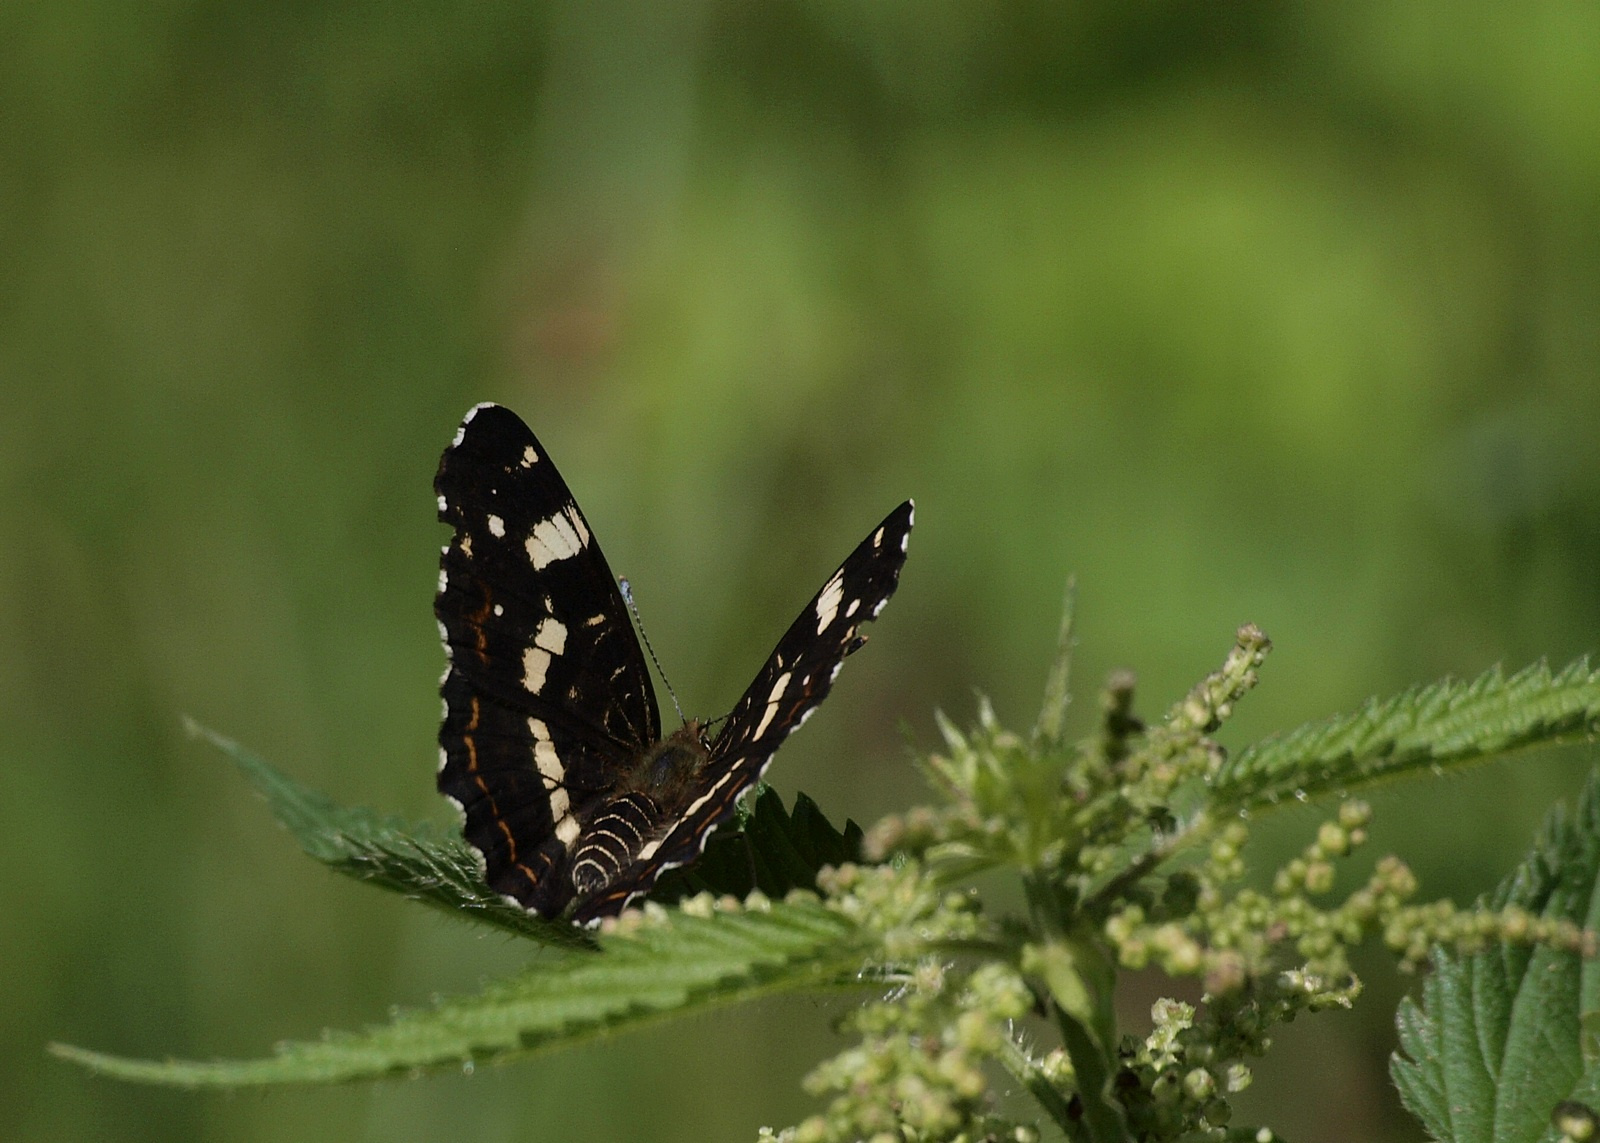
[567, 830]
[828, 601]
[552, 636]
[535, 662]
[559, 803]
[877, 537]
[560, 537]
[497, 526]
[529, 457]
[544, 754]
[855, 605]
[772, 703]
[648, 851]
[498, 611]
[443, 506]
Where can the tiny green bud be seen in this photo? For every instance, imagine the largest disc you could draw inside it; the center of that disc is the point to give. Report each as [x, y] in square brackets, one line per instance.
[697, 906]
[1199, 1084]
[1333, 839]
[1167, 1012]
[1514, 923]
[1166, 1088]
[1057, 1067]
[884, 838]
[1354, 814]
[1576, 1121]
[1133, 953]
[1319, 877]
[928, 977]
[1226, 974]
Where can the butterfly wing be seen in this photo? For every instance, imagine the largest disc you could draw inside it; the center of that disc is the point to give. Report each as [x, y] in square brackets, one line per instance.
[547, 697]
[795, 679]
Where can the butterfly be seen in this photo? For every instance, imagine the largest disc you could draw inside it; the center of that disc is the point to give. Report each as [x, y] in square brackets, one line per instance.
[551, 744]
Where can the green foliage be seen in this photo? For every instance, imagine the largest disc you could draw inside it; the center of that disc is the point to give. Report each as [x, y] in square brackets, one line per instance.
[1503, 1037]
[407, 857]
[1448, 723]
[1208, 300]
[661, 963]
[1128, 848]
[773, 850]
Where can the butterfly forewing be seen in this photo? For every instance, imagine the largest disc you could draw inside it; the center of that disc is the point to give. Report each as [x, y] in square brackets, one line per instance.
[796, 677]
[547, 696]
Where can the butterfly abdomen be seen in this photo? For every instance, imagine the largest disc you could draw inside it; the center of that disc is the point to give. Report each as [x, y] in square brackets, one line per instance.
[612, 839]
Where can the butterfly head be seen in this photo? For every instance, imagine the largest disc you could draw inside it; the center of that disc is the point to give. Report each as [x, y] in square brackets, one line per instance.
[670, 766]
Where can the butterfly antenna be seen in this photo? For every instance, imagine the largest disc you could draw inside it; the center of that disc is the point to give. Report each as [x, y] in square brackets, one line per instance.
[627, 597]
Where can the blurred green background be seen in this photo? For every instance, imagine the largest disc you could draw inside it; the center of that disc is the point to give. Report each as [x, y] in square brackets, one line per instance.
[1246, 311]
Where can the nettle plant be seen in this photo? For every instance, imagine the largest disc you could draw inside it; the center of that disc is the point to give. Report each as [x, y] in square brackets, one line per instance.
[1127, 846]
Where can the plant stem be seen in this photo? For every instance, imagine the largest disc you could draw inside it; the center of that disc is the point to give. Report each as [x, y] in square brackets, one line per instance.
[1026, 1072]
[1102, 1117]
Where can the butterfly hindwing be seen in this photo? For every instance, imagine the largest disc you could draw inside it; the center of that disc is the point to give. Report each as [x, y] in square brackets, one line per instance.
[795, 679]
[547, 696]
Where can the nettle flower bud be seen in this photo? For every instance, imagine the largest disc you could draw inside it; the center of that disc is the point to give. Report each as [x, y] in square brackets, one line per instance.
[1319, 877]
[1515, 923]
[1199, 1084]
[1576, 1121]
[1226, 974]
[1333, 839]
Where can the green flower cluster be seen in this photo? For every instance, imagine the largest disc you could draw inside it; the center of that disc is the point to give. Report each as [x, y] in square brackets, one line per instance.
[1127, 859]
[918, 1073]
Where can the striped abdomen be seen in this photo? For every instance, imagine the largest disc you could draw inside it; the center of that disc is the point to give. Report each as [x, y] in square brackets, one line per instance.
[612, 839]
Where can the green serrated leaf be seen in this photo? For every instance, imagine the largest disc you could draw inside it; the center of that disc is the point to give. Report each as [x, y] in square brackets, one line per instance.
[1497, 1040]
[674, 964]
[1448, 723]
[411, 858]
[776, 851]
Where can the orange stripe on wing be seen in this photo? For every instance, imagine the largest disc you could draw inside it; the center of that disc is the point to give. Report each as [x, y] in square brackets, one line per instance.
[483, 787]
